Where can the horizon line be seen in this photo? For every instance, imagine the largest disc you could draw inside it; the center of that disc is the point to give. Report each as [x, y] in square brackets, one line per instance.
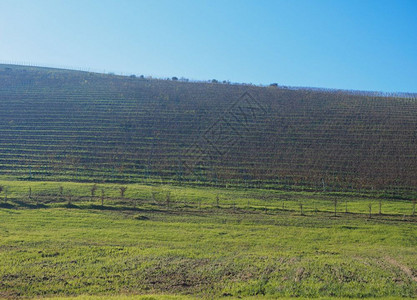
[399, 94]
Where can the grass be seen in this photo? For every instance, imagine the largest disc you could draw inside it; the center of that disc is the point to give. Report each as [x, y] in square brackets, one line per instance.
[125, 297]
[200, 250]
[172, 297]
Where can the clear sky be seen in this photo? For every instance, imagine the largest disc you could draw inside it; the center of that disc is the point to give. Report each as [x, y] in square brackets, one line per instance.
[351, 44]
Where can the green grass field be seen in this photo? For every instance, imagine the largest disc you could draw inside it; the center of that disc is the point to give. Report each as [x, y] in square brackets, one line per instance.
[171, 242]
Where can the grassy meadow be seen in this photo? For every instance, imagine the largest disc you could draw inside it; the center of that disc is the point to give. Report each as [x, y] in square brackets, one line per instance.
[57, 240]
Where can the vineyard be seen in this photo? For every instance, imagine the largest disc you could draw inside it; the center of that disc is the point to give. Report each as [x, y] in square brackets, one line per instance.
[66, 125]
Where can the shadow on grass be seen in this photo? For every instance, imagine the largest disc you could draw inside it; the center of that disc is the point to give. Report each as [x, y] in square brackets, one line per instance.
[29, 205]
[105, 207]
[113, 208]
[207, 211]
[141, 218]
[6, 205]
[70, 205]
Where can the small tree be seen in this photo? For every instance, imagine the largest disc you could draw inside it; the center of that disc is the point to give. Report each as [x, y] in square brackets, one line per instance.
[370, 210]
[93, 191]
[217, 200]
[61, 192]
[102, 197]
[168, 198]
[301, 208]
[122, 191]
[154, 196]
[30, 193]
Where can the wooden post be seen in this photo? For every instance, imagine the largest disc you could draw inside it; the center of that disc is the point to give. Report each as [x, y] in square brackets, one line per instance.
[380, 206]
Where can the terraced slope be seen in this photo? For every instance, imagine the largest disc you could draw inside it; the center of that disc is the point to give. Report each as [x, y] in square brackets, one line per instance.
[70, 125]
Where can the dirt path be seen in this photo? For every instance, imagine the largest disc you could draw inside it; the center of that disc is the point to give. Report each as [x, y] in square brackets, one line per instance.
[403, 268]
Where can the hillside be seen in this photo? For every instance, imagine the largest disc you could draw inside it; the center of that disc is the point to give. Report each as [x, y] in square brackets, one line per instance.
[81, 126]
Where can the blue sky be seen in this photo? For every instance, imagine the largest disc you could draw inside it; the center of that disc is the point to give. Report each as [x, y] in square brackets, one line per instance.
[364, 45]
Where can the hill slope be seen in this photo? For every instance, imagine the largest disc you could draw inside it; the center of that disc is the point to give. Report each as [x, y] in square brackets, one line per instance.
[70, 125]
